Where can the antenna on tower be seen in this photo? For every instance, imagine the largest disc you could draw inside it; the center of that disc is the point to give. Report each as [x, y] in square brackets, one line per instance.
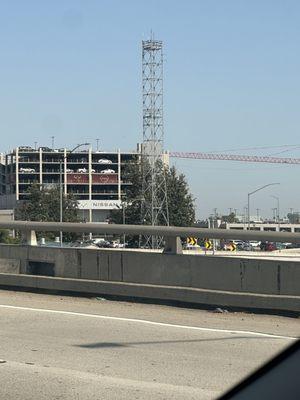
[154, 203]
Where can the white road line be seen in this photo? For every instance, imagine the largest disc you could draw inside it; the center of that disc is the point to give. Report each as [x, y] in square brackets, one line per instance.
[143, 321]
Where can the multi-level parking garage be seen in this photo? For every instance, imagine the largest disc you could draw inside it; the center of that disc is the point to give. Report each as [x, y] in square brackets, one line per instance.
[95, 178]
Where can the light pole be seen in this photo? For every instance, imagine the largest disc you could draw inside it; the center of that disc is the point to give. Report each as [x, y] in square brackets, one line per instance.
[278, 212]
[254, 191]
[61, 187]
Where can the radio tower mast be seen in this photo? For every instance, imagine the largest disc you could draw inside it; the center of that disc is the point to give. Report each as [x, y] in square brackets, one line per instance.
[154, 202]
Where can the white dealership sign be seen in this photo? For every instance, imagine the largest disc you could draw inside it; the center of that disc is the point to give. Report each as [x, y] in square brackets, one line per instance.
[99, 204]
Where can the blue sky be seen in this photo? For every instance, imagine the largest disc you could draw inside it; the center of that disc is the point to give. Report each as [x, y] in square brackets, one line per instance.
[72, 69]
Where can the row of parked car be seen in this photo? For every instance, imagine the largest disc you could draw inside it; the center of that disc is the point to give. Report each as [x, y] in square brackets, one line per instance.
[85, 171]
[100, 242]
[261, 246]
[241, 245]
[79, 170]
[70, 171]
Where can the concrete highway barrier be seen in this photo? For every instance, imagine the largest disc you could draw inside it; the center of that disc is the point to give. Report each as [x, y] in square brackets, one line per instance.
[272, 284]
[156, 292]
[226, 281]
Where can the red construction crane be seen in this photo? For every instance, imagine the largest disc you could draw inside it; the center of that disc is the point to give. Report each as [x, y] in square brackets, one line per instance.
[235, 157]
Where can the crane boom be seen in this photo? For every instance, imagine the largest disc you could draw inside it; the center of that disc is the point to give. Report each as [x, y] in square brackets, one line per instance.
[236, 157]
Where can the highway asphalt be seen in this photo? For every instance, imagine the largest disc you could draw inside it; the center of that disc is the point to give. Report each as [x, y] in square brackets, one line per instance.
[62, 347]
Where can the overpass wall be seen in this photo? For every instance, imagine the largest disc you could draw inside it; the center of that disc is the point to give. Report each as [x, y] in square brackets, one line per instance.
[271, 277]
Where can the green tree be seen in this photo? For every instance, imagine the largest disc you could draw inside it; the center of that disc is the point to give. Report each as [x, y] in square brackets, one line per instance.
[44, 205]
[131, 204]
[230, 218]
[294, 218]
[6, 238]
[180, 201]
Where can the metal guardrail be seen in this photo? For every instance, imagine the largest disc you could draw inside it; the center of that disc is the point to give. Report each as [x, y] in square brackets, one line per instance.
[170, 233]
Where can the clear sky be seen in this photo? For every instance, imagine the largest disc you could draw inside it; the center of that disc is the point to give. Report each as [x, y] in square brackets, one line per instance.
[72, 69]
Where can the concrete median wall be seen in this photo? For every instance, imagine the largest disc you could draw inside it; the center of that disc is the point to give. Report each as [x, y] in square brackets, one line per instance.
[205, 297]
[240, 275]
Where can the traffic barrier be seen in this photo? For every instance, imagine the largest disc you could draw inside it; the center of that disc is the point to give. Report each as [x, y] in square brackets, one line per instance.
[203, 297]
[165, 231]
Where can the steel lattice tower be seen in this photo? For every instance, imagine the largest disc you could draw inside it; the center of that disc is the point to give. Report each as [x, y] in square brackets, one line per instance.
[154, 204]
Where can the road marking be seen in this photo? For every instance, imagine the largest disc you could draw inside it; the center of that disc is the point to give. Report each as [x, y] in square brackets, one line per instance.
[144, 321]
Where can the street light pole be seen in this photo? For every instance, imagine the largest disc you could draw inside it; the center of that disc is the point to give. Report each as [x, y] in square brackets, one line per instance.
[254, 191]
[61, 188]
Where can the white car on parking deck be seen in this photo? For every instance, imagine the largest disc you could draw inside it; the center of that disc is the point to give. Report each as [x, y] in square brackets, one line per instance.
[27, 170]
[107, 171]
[104, 161]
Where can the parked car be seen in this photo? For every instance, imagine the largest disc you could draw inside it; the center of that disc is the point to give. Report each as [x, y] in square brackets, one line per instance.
[245, 246]
[93, 170]
[255, 243]
[287, 245]
[26, 148]
[47, 149]
[82, 170]
[238, 242]
[268, 246]
[103, 244]
[104, 161]
[27, 170]
[281, 246]
[69, 171]
[107, 171]
[293, 246]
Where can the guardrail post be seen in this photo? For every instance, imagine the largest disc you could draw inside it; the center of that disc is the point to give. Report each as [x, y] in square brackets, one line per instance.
[29, 238]
[173, 245]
